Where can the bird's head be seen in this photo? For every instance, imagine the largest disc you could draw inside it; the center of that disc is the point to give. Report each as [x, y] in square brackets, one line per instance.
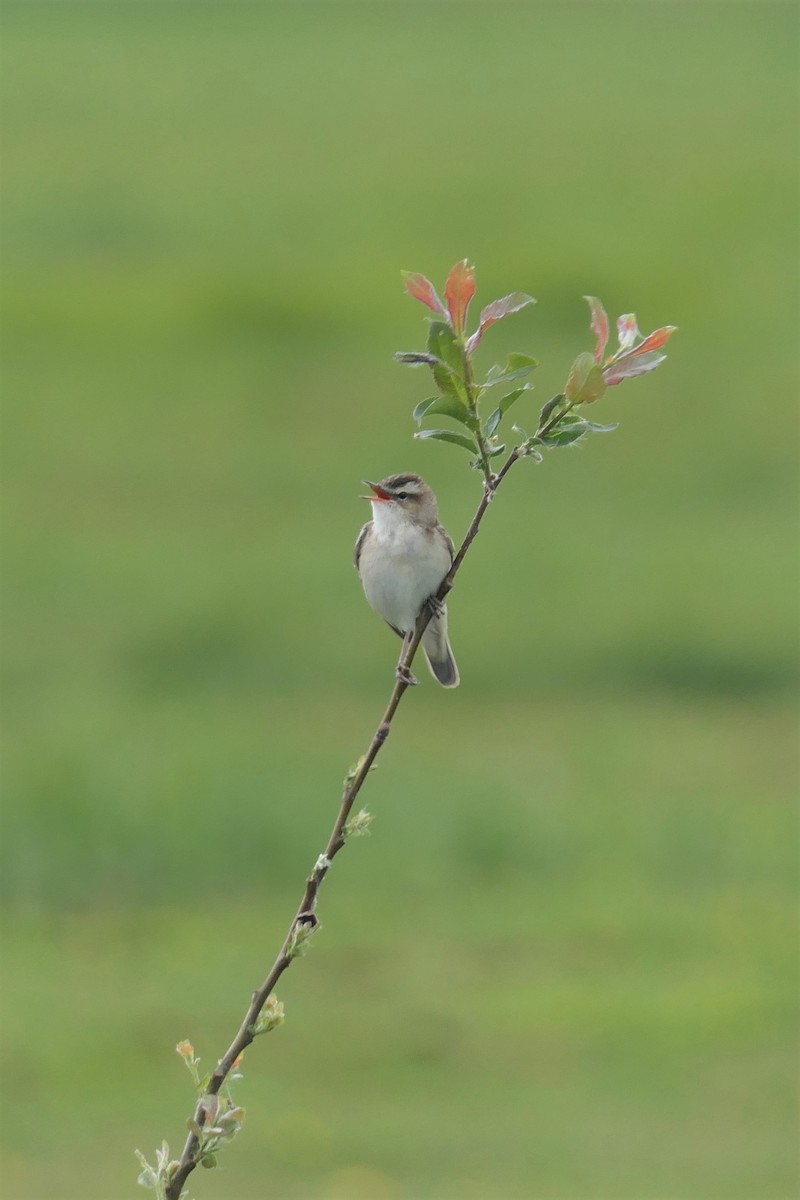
[408, 495]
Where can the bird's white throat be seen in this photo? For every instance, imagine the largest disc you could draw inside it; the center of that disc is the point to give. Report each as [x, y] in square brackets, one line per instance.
[392, 523]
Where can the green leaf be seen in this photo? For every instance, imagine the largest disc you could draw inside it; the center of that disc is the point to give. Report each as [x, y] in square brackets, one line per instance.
[549, 409]
[518, 362]
[585, 383]
[594, 387]
[512, 397]
[448, 406]
[447, 435]
[445, 358]
[595, 428]
[517, 366]
[149, 1176]
[492, 421]
[493, 451]
[447, 381]
[422, 408]
[564, 435]
[443, 343]
[505, 404]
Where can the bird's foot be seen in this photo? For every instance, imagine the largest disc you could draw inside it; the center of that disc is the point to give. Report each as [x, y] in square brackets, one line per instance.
[435, 606]
[404, 674]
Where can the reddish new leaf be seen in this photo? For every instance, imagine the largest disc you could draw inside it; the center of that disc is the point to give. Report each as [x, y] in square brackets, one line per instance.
[639, 359]
[458, 291]
[599, 325]
[627, 330]
[504, 308]
[631, 365]
[422, 289]
[496, 311]
[654, 341]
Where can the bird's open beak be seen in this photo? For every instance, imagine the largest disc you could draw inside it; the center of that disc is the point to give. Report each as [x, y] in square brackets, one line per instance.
[380, 494]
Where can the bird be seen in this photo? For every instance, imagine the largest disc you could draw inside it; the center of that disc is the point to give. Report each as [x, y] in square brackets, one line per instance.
[402, 556]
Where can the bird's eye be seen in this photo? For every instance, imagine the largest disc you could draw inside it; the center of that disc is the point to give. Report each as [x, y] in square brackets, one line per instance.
[402, 495]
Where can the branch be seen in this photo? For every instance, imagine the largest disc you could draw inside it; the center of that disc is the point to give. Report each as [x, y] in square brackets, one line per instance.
[305, 920]
[449, 355]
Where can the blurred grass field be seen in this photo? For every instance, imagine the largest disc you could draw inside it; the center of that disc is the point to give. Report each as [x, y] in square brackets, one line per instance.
[564, 964]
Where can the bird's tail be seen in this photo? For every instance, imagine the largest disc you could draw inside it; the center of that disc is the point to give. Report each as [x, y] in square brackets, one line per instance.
[436, 645]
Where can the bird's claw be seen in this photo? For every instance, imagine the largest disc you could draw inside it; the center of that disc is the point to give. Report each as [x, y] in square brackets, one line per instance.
[436, 607]
[405, 675]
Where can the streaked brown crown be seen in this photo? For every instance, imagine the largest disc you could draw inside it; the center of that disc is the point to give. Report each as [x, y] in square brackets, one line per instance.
[397, 483]
[413, 495]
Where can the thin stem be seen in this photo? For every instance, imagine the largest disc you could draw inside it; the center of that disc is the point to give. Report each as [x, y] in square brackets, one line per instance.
[306, 912]
[472, 402]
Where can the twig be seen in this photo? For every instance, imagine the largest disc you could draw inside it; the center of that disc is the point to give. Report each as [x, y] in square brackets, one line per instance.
[305, 919]
[588, 378]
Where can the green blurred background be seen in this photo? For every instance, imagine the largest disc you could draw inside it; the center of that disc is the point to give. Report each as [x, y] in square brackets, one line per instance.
[563, 965]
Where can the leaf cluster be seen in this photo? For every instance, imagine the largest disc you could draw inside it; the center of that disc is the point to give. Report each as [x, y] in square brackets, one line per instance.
[460, 395]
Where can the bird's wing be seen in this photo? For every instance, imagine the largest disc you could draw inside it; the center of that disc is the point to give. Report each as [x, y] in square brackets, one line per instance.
[449, 541]
[362, 537]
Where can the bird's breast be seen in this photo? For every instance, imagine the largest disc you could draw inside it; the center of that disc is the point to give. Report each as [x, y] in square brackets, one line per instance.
[401, 570]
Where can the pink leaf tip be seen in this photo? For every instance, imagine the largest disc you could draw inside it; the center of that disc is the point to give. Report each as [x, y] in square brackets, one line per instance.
[496, 311]
[422, 289]
[599, 326]
[458, 291]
